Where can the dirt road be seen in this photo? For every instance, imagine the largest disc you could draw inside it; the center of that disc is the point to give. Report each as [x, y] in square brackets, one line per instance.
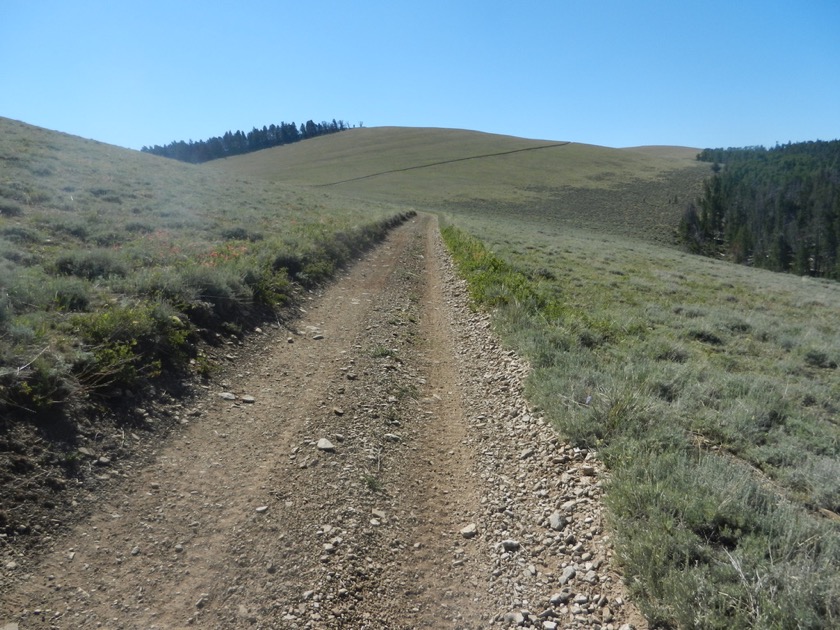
[377, 468]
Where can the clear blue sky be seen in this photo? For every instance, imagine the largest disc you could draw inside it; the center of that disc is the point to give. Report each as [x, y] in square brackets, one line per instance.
[611, 72]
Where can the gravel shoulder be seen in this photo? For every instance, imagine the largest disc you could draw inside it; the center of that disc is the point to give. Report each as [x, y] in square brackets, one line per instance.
[377, 467]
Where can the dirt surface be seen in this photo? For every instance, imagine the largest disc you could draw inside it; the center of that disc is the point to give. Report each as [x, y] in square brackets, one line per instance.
[376, 468]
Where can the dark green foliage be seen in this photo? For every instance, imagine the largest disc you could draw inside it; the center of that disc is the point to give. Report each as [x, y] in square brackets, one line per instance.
[238, 143]
[222, 289]
[819, 359]
[775, 208]
[91, 264]
[127, 344]
[290, 263]
[241, 234]
[9, 208]
[72, 296]
[138, 227]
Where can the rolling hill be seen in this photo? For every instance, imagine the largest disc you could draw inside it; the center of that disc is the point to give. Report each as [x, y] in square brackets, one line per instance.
[640, 191]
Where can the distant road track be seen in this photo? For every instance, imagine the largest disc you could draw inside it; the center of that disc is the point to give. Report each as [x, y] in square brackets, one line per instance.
[463, 159]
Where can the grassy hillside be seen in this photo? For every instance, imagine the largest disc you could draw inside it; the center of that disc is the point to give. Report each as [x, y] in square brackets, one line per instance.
[113, 263]
[710, 391]
[122, 274]
[640, 191]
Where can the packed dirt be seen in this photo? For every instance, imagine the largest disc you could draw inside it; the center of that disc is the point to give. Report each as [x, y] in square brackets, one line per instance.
[376, 467]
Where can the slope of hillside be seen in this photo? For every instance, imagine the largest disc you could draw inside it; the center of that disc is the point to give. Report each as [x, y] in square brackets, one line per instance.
[118, 270]
[639, 191]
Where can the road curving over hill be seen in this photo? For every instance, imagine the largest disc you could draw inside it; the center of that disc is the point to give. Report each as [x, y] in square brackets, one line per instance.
[377, 467]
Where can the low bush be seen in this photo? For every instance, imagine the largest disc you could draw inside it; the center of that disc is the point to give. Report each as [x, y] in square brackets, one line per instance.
[269, 287]
[9, 208]
[101, 263]
[127, 345]
[241, 234]
[72, 295]
[20, 234]
[222, 288]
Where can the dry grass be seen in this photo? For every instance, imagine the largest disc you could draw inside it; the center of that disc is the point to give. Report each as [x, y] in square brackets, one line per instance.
[96, 241]
[709, 390]
[639, 191]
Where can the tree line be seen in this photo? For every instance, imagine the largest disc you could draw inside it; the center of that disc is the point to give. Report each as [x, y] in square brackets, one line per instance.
[776, 208]
[237, 143]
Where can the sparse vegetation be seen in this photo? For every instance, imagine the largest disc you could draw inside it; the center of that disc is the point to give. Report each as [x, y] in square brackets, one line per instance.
[709, 397]
[373, 483]
[115, 264]
[381, 352]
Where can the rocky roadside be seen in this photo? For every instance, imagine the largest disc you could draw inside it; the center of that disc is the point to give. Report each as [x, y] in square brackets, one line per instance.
[541, 524]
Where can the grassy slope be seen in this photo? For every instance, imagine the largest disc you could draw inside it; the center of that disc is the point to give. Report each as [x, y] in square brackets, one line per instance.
[121, 274]
[94, 239]
[639, 191]
[710, 396]
[709, 388]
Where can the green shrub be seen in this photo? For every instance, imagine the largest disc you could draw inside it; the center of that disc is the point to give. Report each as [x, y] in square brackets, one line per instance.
[30, 290]
[241, 234]
[220, 287]
[268, 287]
[109, 239]
[72, 296]
[291, 263]
[44, 384]
[316, 272]
[139, 227]
[16, 254]
[20, 234]
[73, 228]
[101, 263]
[125, 345]
[9, 208]
[819, 359]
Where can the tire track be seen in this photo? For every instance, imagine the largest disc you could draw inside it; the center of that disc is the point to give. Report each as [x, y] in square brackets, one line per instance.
[452, 161]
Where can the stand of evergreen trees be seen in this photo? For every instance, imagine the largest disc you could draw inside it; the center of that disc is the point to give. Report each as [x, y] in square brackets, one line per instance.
[238, 142]
[775, 208]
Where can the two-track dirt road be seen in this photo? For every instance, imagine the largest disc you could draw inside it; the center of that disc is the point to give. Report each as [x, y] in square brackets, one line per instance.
[377, 469]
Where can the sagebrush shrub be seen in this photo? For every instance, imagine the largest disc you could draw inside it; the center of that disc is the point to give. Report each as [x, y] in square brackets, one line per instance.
[9, 208]
[101, 263]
